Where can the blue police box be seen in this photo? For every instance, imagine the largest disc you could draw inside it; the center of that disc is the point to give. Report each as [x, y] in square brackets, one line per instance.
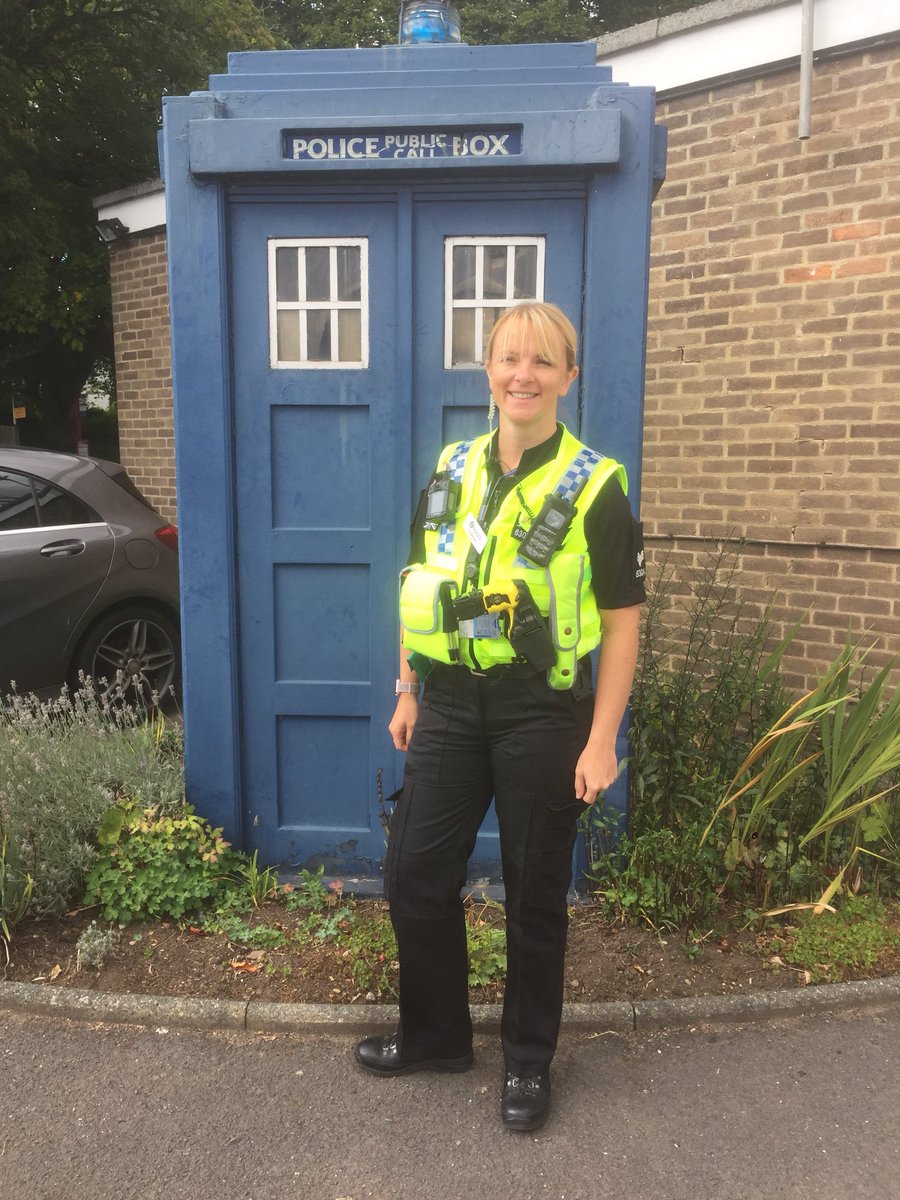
[343, 228]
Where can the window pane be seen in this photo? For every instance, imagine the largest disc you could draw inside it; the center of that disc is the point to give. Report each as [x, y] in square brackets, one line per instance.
[348, 274]
[17, 509]
[495, 273]
[463, 349]
[526, 273]
[463, 272]
[490, 316]
[59, 508]
[318, 275]
[350, 335]
[286, 282]
[318, 335]
[288, 336]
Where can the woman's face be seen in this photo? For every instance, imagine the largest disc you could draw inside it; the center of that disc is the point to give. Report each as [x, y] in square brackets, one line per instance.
[526, 384]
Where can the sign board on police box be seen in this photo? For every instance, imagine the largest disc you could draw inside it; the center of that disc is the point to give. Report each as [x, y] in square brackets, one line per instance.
[316, 145]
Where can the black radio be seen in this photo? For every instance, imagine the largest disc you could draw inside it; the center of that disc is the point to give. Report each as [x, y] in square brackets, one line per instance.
[548, 531]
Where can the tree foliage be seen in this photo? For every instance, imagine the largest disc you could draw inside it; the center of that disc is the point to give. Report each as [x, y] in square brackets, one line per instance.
[80, 88]
[321, 23]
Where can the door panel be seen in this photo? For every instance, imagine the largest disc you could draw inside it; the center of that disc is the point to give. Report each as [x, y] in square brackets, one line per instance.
[315, 469]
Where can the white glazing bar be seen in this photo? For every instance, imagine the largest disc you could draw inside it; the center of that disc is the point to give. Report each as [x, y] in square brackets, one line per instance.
[332, 296]
[363, 244]
[273, 306]
[511, 271]
[449, 243]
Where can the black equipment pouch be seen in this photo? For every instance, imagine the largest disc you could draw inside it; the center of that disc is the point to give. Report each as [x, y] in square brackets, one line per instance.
[443, 496]
[528, 633]
[548, 531]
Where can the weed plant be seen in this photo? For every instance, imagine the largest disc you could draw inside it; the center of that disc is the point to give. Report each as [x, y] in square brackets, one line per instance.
[153, 864]
[62, 764]
[824, 945]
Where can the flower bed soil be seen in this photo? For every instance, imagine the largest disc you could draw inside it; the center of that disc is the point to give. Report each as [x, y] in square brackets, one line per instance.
[605, 961]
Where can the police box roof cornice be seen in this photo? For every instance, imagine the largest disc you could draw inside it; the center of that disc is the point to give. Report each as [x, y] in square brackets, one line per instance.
[675, 54]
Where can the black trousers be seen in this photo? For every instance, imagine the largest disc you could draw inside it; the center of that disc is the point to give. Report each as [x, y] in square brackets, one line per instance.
[518, 740]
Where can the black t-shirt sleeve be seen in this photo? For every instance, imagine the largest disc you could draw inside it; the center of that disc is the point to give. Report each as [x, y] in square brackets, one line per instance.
[616, 548]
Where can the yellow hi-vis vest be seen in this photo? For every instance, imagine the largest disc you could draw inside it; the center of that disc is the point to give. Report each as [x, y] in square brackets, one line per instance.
[562, 590]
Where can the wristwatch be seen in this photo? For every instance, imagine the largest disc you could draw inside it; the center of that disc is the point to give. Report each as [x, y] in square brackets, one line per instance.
[400, 686]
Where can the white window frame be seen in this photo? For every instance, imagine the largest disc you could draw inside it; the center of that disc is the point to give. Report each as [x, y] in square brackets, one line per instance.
[334, 306]
[478, 302]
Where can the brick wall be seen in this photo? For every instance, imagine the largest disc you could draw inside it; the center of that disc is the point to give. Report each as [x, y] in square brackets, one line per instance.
[140, 297]
[772, 406]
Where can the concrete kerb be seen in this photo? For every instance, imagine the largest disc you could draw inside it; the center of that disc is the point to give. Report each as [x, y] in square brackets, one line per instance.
[615, 1017]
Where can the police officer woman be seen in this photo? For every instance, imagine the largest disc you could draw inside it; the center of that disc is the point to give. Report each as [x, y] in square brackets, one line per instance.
[525, 558]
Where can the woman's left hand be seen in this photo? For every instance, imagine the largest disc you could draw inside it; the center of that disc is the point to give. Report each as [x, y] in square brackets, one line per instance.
[595, 771]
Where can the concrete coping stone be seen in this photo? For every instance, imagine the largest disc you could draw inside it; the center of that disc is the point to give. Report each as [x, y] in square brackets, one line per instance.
[620, 1016]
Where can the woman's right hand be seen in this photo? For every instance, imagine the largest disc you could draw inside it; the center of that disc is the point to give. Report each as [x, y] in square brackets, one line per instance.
[403, 721]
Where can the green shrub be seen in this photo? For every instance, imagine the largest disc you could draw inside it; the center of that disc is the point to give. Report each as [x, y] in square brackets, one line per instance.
[62, 764]
[661, 876]
[156, 864]
[704, 687]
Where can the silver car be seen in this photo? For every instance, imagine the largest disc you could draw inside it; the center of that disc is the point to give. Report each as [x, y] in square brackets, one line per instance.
[88, 578]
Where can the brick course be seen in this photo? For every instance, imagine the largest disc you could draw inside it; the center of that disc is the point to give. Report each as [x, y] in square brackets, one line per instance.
[773, 357]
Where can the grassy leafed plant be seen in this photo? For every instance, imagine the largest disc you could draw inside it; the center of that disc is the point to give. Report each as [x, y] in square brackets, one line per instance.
[15, 891]
[63, 763]
[836, 753]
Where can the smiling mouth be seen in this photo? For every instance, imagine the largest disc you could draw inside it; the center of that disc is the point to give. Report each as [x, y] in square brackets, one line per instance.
[523, 395]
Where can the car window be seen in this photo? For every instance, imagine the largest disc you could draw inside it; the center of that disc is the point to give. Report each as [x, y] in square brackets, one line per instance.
[59, 508]
[17, 508]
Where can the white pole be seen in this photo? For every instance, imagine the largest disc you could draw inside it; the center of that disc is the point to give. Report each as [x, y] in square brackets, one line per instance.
[806, 68]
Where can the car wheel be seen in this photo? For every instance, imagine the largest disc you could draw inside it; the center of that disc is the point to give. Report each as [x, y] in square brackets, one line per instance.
[133, 651]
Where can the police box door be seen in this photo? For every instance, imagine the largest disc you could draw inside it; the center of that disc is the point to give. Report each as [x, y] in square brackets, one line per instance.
[358, 326]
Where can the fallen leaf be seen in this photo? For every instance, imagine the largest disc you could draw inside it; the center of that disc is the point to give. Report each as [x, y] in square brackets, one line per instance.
[198, 932]
[776, 961]
[247, 967]
[57, 970]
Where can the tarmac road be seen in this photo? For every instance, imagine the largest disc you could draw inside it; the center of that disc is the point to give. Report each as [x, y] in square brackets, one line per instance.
[806, 1109]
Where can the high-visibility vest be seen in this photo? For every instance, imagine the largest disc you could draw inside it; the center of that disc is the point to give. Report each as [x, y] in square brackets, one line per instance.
[562, 589]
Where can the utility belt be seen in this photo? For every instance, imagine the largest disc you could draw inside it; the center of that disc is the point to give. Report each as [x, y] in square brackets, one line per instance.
[436, 615]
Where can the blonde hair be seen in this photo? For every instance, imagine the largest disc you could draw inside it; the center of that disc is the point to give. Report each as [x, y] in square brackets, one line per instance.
[543, 322]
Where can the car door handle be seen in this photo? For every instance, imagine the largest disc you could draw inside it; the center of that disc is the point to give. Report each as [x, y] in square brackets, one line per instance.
[63, 549]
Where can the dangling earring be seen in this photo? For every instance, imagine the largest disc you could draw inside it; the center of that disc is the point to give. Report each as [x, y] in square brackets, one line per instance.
[492, 409]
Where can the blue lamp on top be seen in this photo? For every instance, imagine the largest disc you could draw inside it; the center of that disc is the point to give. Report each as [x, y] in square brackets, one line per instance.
[424, 21]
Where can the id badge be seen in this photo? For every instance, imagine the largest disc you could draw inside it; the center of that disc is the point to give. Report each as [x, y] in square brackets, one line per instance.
[475, 533]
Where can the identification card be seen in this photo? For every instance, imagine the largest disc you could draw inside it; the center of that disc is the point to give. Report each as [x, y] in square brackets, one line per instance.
[475, 533]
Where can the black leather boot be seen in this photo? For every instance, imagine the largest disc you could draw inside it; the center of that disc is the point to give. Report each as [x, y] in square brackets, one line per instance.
[383, 1056]
[525, 1101]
